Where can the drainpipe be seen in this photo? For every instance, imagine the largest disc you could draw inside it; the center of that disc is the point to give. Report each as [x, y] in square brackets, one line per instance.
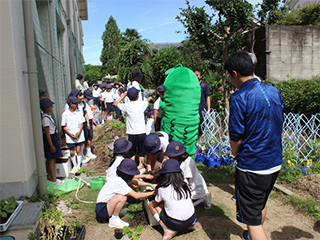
[70, 49]
[34, 96]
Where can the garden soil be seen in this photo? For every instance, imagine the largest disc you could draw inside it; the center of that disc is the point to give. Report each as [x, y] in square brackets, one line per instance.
[282, 221]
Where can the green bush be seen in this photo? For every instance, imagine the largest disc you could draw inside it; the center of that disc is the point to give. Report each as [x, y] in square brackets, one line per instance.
[300, 96]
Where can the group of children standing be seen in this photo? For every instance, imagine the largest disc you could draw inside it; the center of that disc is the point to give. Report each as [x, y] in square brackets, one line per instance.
[77, 128]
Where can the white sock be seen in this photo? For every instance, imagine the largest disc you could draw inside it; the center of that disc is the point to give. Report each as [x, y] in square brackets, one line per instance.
[74, 162]
[82, 149]
[79, 158]
[89, 151]
[157, 217]
[114, 217]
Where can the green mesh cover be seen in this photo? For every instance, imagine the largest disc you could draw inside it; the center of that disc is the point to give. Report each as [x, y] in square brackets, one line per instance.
[180, 104]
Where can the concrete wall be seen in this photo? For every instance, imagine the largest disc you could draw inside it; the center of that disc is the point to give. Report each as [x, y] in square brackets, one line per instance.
[17, 159]
[292, 51]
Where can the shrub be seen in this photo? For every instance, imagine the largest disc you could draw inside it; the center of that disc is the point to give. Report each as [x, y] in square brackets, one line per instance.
[300, 96]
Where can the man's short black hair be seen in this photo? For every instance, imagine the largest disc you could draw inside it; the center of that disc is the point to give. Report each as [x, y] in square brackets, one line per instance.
[198, 70]
[79, 76]
[241, 62]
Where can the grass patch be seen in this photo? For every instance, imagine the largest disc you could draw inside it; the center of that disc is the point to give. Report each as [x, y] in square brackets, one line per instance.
[216, 175]
[308, 206]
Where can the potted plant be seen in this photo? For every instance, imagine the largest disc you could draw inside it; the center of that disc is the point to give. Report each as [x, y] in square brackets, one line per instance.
[9, 209]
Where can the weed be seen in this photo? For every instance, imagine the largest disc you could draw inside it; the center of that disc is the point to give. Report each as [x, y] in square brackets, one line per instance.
[309, 206]
[118, 126]
[133, 234]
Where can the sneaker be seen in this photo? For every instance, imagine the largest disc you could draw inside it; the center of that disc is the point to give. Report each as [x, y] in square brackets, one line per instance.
[91, 156]
[207, 201]
[58, 182]
[74, 170]
[234, 198]
[117, 223]
[245, 235]
[85, 159]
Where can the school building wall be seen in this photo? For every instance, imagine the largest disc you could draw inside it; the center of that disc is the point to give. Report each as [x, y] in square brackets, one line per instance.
[56, 69]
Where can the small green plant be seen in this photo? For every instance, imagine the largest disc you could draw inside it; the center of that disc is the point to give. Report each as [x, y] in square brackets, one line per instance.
[89, 173]
[81, 170]
[133, 234]
[118, 126]
[32, 236]
[7, 207]
[74, 226]
[51, 224]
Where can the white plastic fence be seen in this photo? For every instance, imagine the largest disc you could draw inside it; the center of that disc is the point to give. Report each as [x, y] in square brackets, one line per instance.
[299, 131]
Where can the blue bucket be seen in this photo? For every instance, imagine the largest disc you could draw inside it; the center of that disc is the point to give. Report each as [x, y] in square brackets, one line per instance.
[213, 162]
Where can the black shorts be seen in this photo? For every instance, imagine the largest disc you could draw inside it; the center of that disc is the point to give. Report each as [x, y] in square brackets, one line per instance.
[177, 225]
[137, 142]
[252, 192]
[102, 211]
[117, 111]
[88, 133]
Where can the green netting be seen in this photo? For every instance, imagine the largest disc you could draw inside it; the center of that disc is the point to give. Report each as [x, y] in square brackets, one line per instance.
[181, 107]
[51, 32]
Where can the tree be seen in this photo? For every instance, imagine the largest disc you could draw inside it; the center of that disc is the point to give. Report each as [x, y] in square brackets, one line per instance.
[130, 34]
[217, 40]
[111, 43]
[134, 55]
[93, 72]
[272, 11]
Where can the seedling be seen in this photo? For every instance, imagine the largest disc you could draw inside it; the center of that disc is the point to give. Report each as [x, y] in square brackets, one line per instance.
[133, 234]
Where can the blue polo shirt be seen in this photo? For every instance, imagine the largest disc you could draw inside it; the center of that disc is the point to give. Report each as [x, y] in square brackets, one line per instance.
[256, 119]
[205, 91]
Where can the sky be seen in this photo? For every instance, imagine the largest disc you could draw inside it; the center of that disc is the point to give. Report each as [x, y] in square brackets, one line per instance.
[153, 19]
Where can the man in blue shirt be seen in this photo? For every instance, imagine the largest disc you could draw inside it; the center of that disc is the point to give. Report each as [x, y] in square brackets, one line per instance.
[255, 127]
[205, 98]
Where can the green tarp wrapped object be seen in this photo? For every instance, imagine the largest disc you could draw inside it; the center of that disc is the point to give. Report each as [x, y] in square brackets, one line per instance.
[69, 185]
[180, 104]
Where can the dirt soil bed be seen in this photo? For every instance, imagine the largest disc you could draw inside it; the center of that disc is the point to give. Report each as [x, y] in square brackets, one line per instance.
[282, 221]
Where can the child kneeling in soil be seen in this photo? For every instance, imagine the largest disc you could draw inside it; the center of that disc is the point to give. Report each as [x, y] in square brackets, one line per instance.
[172, 206]
[112, 196]
[198, 187]
[120, 147]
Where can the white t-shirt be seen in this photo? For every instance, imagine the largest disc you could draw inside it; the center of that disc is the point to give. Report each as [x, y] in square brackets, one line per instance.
[78, 85]
[89, 111]
[116, 96]
[46, 121]
[96, 93]
[112, 171]
[73, 121]
[134, 111]
[181, 209]
[85, 85]
[114, 186]
[108, 96]
[156, 107]
[164, 141]
[150, 128]
[196, 182]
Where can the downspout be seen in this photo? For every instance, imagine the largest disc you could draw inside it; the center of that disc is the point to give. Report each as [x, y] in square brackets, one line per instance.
[69, 34]
[34, 96]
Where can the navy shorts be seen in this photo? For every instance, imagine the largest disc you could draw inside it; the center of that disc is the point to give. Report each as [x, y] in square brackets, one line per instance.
[56, 144]
[117, 111]
[252, 192]
[102, 211]
[137, 142]
[177, 225]
[88, 133]
[96, 101]
[70, 145]
[110, 107]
